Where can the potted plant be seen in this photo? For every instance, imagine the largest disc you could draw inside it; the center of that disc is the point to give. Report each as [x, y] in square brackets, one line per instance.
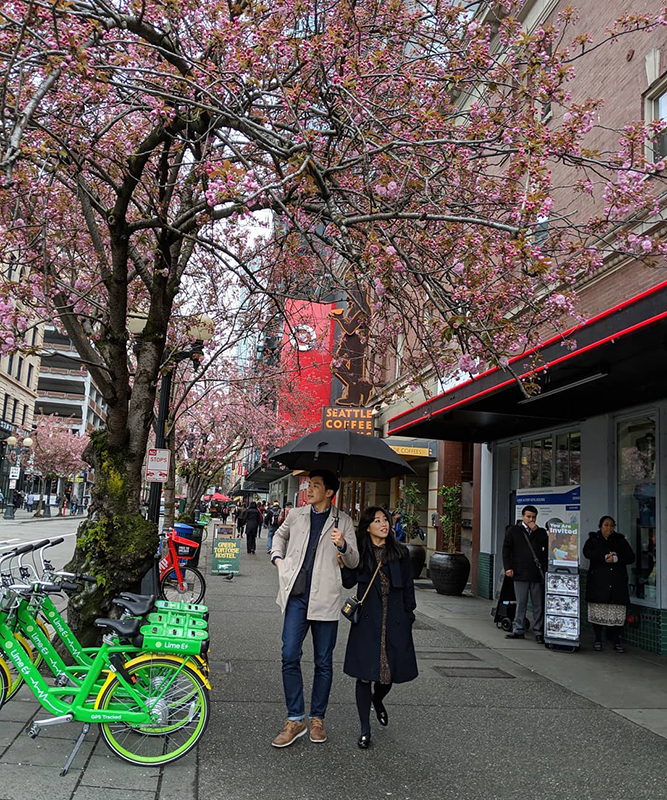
[409, 507]
[449, 568]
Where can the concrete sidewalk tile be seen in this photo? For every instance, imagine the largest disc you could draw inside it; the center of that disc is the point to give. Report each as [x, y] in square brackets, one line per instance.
[20, 781]
[45, 752]
[93, 793]
[111, 771]
[9, 731]
[179, 780]
[18, 711]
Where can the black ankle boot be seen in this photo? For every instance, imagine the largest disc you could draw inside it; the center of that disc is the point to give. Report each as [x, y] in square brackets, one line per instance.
[364, 741]
[381, 712]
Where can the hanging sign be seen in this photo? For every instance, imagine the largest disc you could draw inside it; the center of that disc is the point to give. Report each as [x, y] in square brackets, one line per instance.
[357, 420]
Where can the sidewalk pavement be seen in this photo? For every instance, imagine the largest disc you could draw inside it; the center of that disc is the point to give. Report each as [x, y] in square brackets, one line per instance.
[484, 721]
[23, 516]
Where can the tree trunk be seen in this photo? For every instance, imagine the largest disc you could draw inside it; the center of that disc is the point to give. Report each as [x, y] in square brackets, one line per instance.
[115, 544]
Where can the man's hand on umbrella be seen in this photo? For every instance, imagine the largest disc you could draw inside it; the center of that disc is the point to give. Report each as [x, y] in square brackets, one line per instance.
[337, 537]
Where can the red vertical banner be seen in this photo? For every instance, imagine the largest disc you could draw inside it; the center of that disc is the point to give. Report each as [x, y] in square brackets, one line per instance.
[306, 357]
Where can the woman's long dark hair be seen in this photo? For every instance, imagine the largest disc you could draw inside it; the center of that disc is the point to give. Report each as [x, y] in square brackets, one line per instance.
[393, 549]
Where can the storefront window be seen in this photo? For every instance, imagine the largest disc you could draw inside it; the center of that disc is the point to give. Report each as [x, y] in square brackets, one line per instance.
[636, 497]
[541, 467]
[568, 459]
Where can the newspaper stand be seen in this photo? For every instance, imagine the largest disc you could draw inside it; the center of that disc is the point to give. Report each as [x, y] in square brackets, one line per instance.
[562, 605]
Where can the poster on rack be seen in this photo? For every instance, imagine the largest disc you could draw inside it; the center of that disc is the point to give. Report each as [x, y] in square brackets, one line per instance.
[559, 511]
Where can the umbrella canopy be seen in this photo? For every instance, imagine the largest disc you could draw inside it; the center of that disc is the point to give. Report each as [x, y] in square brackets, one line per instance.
[346, 454]
[219, 497]
[206, 497]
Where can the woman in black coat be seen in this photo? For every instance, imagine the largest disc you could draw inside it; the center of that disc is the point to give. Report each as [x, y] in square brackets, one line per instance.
[253, 520]
[380, 647]
[607, 594]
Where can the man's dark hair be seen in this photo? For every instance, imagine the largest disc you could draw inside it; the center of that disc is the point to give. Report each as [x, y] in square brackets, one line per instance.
[329, 480]
[289, 505]
[532, 509]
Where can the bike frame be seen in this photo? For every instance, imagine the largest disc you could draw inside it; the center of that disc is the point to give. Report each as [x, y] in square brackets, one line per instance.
[52, 698]
[171, 561]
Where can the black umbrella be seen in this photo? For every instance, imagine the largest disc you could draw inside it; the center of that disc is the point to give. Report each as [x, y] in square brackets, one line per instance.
[344, 453]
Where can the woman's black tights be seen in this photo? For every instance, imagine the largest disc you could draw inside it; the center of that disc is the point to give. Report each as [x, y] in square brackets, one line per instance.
[365, 696]
[614, 631]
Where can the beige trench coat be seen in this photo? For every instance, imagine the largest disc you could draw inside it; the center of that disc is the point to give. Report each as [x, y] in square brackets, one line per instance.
[290, 542]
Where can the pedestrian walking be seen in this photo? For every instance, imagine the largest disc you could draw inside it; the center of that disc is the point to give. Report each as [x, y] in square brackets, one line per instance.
[273, 514]
[285, 513]
[30, 501]
[260, 511]
[607, 595]
[525, 561]
[305, 549]
[224, 513]
[240, 520]
[253, 520]
[380, 650]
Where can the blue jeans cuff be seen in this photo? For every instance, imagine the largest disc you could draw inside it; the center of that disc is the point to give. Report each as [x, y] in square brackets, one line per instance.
[296, 719]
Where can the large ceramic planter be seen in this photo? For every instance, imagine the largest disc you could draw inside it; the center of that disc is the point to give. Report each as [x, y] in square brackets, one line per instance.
[417, 559]
[449, 572]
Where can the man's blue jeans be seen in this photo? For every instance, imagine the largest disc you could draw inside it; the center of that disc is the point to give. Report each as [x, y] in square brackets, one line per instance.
[269, 538]
[295, 628]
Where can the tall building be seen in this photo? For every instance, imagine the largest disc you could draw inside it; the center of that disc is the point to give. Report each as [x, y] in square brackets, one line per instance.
[65, 388]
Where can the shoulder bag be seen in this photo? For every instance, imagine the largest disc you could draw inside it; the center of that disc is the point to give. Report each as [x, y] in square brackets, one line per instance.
[352, 607]
[535, 558]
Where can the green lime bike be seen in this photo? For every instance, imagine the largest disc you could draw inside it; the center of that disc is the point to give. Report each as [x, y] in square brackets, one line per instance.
[152, 706]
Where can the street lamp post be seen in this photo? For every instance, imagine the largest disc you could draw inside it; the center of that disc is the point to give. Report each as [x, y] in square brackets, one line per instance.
[201, 331]
[12, 441]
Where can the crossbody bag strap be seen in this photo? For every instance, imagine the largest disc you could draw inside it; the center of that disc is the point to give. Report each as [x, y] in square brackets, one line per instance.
[368, 588]
[535, 558]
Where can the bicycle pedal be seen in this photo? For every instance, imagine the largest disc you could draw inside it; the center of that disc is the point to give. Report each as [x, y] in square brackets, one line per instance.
[33, 731]
[62, 680]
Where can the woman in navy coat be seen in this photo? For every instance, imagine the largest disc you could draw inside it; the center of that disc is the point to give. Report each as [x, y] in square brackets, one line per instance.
[380, 647]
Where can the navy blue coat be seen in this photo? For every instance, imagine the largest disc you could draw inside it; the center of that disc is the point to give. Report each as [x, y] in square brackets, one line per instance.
[362, 656]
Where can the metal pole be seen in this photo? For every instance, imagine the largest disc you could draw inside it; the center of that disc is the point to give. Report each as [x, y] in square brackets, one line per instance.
[163, 411]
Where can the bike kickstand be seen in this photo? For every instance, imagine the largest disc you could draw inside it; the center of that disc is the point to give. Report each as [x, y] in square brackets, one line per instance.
[75, 749]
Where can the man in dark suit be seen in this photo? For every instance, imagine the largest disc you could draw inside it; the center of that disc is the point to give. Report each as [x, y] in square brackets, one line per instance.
[524, 543]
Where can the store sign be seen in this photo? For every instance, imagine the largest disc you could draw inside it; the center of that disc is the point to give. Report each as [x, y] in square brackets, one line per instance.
[357, 420]
[14, 473]
[157, 465]
[415, 452]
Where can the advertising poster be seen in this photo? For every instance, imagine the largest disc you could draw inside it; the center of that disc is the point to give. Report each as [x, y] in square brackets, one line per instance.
[559, 511]
[226, 556]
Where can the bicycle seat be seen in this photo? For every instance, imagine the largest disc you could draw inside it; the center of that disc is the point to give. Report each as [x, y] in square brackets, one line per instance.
[138, 608]
[125, 628]
[137, 598]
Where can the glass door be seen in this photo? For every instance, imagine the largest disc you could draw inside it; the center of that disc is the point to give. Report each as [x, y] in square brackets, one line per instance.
[636, 498]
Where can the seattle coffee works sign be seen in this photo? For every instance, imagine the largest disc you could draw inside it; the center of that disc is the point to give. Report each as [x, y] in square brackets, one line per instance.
[358, 420]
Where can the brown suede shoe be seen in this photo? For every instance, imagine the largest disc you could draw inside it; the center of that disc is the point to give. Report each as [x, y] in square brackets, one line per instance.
[290, 733]
[317, 732]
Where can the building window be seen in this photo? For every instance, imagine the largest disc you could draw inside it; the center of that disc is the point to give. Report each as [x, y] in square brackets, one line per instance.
[19, 369]
[568, 459]
[636, 501]
[15, 409]
[34, 336]
[658, 107]
[10, 364]
[537, 466]
[4, 407]
[24, 415]
[29, 379]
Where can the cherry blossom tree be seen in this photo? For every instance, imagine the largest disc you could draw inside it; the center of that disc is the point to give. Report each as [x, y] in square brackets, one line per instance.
[217, 423]
[398, 153]
[56, 451]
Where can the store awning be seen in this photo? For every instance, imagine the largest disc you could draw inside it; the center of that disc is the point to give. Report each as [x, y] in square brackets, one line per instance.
[620, 360]
[267, 473]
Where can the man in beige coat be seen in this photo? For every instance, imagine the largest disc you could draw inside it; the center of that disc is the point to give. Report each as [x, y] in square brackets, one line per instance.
[305, 552]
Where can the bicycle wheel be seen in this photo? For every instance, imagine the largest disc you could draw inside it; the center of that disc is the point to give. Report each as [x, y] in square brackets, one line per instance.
[4, 681]
[15, 679]
[181, 712]
[194, 585]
